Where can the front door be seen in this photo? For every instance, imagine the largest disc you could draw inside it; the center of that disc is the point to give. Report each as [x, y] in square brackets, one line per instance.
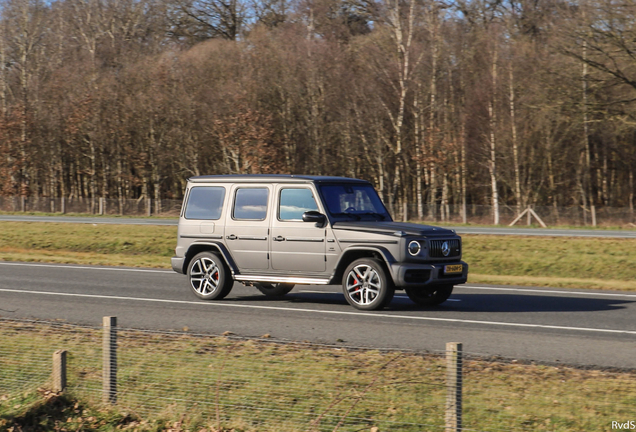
[247, 228]
[296, 246]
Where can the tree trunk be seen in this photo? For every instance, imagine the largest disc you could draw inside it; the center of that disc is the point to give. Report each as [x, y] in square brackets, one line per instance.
[586, 140]
[551, 181]
[464, 171]
[93, 174]
[631, 193]
[418, 157]
[432, 203]
[492, 114]
[515, 149]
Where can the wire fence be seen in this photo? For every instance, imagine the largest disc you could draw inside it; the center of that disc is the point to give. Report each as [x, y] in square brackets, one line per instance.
[474, 214]
[94, 206]
[229, 383]
[549, 215]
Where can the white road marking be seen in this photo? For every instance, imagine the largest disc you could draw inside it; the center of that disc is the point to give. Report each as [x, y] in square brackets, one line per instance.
[544, 291]
[8, 263]
[326, 312]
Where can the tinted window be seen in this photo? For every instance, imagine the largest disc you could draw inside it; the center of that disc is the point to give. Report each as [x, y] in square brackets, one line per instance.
[354, 201]
[251, 203]
[295, 202]
[205, 202]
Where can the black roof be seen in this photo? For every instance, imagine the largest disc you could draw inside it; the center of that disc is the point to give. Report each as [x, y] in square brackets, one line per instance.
[274, 177]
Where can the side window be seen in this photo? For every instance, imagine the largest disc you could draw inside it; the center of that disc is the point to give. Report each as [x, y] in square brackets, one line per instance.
[251, 204]
[205, 202]
[294, 202]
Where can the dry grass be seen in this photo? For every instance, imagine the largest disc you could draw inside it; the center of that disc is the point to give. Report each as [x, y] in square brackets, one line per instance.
[168, 379]
[552, 261]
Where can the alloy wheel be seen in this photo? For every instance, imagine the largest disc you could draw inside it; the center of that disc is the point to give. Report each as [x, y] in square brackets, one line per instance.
[363, 284]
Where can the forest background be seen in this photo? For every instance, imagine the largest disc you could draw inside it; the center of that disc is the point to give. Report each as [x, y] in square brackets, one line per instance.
[496, 102]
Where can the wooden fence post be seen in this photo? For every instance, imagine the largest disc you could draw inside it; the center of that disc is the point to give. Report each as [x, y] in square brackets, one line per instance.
[59, 371]
[453, 387]
[109, 366]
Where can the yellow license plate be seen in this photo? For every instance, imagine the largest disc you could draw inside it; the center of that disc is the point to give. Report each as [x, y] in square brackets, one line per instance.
[453, 268]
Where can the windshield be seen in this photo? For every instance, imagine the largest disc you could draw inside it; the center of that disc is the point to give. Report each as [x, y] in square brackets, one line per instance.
[354, 202]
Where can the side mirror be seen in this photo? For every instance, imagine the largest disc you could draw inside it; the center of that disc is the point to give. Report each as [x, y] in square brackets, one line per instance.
[315, 217]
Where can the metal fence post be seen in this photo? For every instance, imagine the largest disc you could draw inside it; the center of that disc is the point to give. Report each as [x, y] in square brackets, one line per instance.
[109, 367]
[59, 371]
[453, 387]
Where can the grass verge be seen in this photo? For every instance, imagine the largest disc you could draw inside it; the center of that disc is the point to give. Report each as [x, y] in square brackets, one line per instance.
[192, 382]
[509, 260]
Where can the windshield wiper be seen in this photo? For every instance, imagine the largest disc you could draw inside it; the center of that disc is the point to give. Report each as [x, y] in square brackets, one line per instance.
[347, 214]
[374, 214]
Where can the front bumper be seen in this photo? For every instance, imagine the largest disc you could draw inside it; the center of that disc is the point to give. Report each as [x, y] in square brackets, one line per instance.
[413, 275]
[177, 264]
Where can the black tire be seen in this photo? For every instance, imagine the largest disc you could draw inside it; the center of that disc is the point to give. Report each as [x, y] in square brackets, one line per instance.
[274, 289]
[208, 276]
[430, 296]
[366, 286]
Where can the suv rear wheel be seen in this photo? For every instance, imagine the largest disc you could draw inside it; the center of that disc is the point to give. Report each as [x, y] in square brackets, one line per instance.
[430, 296]
[208, 276]
[366, 286]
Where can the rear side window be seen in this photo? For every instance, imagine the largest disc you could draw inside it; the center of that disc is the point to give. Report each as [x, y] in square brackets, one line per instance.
[251, 204]
[295, 202]
[205, 202]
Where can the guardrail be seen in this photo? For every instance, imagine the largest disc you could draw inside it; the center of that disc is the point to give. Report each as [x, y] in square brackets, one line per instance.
[96, 206]
[474, 214]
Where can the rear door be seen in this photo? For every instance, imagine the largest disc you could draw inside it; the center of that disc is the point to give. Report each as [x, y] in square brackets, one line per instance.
[296, 246]
[247, 227]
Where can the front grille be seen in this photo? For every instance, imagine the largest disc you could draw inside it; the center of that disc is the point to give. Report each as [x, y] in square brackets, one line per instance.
[438, 245]
[417, 276]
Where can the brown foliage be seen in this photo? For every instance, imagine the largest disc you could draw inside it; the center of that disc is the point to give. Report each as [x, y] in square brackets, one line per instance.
[128, 99]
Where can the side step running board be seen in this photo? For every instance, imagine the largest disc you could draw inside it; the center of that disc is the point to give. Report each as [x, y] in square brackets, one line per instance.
[278, 279]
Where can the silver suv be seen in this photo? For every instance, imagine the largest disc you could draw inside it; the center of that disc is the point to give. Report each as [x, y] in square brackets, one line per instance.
[277, 231]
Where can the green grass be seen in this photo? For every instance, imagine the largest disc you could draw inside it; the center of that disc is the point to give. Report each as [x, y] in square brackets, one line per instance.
[99, 244]
[515, 260]
[552, 261]
[266, 386]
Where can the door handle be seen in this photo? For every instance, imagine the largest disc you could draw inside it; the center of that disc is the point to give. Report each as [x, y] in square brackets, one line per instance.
[279, 238]
[231, 237]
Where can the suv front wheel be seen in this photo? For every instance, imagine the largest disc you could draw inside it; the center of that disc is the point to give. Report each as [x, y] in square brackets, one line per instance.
[366, 285]
[208, 277]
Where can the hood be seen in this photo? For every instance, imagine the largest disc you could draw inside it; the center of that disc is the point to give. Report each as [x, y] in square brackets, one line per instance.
[393, 227]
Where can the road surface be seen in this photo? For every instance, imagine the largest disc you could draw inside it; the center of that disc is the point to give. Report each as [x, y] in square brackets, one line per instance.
[577, 327]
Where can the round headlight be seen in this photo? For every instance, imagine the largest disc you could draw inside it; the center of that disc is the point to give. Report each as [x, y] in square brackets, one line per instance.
[414, 248]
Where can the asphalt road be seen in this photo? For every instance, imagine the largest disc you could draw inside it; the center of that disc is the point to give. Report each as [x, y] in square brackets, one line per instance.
[460, 230]
[576, 327]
